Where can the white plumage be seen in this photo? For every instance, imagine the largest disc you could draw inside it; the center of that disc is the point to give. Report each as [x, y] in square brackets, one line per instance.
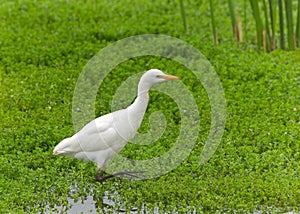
[104, 137]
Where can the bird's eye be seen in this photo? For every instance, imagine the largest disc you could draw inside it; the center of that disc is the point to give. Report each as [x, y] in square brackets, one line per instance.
[159, 76]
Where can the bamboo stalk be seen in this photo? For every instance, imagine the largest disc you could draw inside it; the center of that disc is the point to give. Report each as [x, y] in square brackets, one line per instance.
[281, 24]
[213, 23]
[264, 40]
[233, 20]
[245, 20]
[240, 29]
[267, 36]
[298, 26]
[289, 20]
[258, 22]
[183, 16]
[273, 24]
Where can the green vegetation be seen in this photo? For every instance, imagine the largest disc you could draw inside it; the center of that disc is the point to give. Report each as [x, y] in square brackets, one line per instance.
[44, 46]
[266, 31]
[213, 23]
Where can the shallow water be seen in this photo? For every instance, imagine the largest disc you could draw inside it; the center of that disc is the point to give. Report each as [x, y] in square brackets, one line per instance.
[109, 206]
[89, 206]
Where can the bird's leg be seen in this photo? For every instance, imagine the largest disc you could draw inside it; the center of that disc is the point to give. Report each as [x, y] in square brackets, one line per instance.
[128, 173]
[100, 178]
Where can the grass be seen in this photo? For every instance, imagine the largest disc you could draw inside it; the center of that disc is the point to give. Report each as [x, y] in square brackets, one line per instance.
[44, 46]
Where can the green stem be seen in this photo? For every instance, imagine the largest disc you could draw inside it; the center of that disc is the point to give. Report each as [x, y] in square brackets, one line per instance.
[298, 25]
[245, 20]
[213, 23]
[183, 16]
[267, 35]
[233, 20]
[289, 20]
[281, 24]
[258, 22]
[273, 20]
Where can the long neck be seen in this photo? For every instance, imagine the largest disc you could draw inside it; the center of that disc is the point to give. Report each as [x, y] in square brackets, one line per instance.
[138, 108]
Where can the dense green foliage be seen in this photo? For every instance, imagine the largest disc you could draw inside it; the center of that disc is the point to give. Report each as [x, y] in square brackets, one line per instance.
[45, 44]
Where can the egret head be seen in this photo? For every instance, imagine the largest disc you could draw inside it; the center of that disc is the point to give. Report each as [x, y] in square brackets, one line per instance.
[154, 76]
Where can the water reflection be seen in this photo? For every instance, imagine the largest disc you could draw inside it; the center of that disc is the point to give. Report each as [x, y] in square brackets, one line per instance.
[90, 206]
[107, 205]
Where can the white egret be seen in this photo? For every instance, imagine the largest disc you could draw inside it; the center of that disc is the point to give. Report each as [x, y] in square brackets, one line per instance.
[104, 137]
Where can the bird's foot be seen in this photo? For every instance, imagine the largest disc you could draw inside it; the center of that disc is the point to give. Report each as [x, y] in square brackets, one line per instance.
[132, 174]
[100, 178]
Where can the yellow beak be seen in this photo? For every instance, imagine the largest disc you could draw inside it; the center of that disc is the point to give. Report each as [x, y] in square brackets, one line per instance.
[170, 77]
